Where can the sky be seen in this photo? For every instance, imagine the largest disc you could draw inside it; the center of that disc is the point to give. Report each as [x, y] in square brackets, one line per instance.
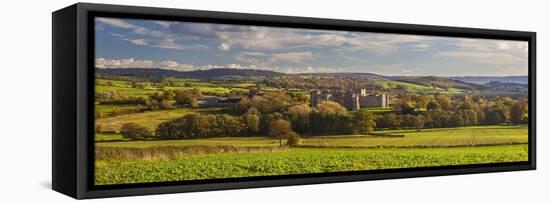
[188, 46]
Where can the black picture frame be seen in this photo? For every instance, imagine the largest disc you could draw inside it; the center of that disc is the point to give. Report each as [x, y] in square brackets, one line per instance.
[73, 120]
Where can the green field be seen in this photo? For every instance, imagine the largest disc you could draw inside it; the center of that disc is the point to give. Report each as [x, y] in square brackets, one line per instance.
[219, 141]
[205, 87]
[447, 137]
[441, 137]
[149, 119]
[415, 88]
[297, 161]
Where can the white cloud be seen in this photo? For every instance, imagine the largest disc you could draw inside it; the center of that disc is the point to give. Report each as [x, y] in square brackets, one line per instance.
[141, 42]
[224, 46]
[173, 65]
[259, 58]
[511, 56]
[486, 57]
[123, 63]
[117, 35]
[157, 38]
[268, 38]
[164, 24]
[117, 23]
[257, 38]
[295, 57]
[421, 47]
[146, 64]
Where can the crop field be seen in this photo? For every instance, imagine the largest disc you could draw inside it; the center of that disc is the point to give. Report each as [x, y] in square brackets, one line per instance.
[442, 137]
[447, 137]
[228, 157]
[218, 141]
[296, 161]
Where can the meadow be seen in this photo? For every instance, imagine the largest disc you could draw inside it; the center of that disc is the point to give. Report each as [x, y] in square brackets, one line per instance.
[149, 119]
[440, 137]
[416, 88]
[179, 83]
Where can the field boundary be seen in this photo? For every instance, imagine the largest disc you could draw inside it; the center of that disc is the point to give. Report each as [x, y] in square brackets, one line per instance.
[411, 147]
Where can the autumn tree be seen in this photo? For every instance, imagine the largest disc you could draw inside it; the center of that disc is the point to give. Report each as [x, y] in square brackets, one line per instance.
[519, 113]
[363, 122]
[187, 97]
[433, 106]
[331, 107]
[280, 129]
[422, 101]
[390, 120]
[251, 123]
[133, 131]
[468, 103]
[419, 122]
[299, 116]
[444, 101]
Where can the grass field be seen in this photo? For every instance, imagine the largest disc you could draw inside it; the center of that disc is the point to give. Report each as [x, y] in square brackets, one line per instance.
[149, 119]
[447, 137]
[297, 161]
[205, 87]
[415, 88]
[109, 109]
[443, 137]
[219, 141]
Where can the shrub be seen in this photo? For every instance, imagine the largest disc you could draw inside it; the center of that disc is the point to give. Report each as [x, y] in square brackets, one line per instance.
[98, 128]
[294, 139]
[134, 131]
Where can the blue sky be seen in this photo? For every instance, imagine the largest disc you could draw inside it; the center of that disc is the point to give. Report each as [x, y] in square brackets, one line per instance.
[187, 46]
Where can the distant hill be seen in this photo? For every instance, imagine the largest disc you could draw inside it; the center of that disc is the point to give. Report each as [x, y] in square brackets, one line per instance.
[441, 82]
[211, 73]
[368, 76]
[487, 79]
[507, 86]
[469, 83]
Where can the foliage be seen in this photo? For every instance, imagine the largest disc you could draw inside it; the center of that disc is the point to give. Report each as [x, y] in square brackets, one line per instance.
[134, 131]
[363, 122]
[188, 97]
[296, 161]
[293, 139]
[331, 108]
[280, 129]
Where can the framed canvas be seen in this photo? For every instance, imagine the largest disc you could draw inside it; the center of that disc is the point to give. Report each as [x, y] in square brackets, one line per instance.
[155, 100]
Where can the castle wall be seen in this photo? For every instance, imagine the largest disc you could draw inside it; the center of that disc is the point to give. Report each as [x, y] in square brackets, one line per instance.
[349, 99]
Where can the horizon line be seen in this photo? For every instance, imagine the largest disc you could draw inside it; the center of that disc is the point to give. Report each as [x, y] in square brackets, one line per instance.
[309, 72]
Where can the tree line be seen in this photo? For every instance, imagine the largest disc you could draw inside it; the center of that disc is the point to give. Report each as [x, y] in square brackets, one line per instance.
[280, 115]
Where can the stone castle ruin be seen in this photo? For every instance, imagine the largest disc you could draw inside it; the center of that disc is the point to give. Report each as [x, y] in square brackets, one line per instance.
[351, 99]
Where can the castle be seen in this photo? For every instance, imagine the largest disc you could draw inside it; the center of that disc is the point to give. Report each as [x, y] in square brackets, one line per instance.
[350, 99]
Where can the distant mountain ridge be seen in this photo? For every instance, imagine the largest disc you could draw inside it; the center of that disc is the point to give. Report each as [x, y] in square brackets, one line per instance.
[463, 81]
[488, 79]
